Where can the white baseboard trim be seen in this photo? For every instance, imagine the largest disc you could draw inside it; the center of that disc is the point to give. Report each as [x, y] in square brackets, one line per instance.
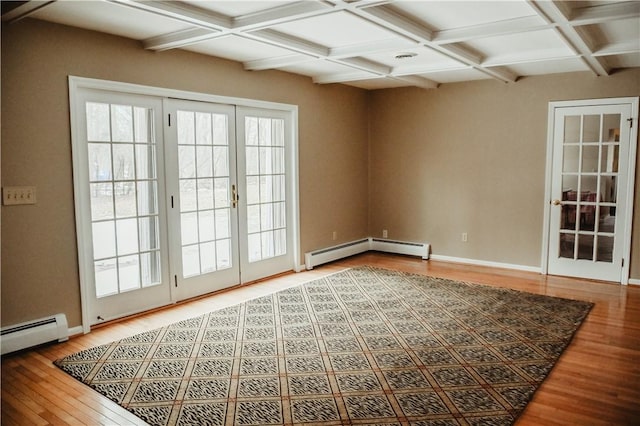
[422, 249]
[477, 262]
[634, 281]
[75, 331]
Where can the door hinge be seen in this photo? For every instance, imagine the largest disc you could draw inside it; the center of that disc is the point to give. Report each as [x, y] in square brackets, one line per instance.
[175, 280]
[172, 201]
[622, 263]
[169, 119]
[630, 120]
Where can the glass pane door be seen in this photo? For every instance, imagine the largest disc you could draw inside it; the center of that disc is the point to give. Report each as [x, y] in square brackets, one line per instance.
[204, 218]
[121, 150]
[589, 173]
[265, 216]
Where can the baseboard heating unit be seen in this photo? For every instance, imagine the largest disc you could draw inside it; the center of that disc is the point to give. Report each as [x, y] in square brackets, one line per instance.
[32, 333]
[329, 254]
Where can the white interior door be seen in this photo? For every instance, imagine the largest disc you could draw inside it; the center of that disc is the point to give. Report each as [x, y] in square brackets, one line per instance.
[117, 149]
[591, 191]
[201, 171]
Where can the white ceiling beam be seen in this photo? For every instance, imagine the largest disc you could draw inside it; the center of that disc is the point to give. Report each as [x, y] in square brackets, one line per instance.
[280, 15]
[576, 39]
[364, 65]
[395, 22]
[603, 13]
[621, 48]
[177, 39]
[344, 77]
[379, 46]
[286, 41]
[278, 62]
[417, 81]
[492, 29]
[182, 12]
[24, 10]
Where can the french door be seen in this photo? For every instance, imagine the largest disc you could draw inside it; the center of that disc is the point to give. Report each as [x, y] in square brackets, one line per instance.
[591, 190]
[120, 211]
[177, 198]
[201, 175]
[227, 168]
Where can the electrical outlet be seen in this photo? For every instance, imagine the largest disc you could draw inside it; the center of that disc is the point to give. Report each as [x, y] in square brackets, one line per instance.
[334, 235]
[465, 237]
[385, 234]
[13, 195]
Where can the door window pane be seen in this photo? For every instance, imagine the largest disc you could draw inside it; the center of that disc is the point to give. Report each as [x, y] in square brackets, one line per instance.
[590, 158]
[188, 195]
[585, 247]
[127, 236]
[567, 246]
[129, 272]
[125, 198]
[121, 123]
[104, 241]
[203, 129]
[106, 277]
[204, 159]
[99, 162]
[190, 261]
[145, 161]
[147, 201]
[591, 128]
[208, 257]
[101, 201]
[98, 122]
[149, 271]
[572, 129]
[149, 233]
[605, 249]
[123, 162]
[189, 228]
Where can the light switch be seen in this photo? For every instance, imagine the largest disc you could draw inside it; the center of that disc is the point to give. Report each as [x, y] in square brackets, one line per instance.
[13, 195]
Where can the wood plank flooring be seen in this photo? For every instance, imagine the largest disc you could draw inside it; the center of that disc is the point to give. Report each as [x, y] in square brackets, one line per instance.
[595, 382]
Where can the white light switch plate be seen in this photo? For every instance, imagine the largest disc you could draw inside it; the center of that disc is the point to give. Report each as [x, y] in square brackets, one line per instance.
[13, 195]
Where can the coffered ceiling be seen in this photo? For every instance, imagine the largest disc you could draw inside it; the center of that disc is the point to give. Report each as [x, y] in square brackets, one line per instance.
[373, 44]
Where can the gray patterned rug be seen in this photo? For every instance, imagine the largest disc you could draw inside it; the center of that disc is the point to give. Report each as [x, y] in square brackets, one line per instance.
[363, 346]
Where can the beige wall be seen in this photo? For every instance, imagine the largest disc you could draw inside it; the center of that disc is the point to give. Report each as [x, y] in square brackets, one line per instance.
[424, 164]
[39, 255]
[471, 157]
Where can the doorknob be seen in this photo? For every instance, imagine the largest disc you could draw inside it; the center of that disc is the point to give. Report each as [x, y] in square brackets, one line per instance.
[556, 202]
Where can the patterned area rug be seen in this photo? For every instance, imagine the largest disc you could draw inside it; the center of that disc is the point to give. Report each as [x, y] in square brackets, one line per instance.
[363, 346]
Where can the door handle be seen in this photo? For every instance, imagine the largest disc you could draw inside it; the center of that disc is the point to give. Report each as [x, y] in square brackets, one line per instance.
[556, 202]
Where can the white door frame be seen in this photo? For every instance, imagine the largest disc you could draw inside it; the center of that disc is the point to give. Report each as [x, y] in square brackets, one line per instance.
[76, 84]
[628, 223]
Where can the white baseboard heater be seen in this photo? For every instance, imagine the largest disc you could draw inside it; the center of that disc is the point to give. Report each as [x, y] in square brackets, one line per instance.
[329, 254]
[32, 333]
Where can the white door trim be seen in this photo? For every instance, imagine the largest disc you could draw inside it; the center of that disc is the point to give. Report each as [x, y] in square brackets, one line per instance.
[77, 83]
[628, 223]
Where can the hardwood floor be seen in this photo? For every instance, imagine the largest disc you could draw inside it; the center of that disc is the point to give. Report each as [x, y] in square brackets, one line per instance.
[595, 382]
